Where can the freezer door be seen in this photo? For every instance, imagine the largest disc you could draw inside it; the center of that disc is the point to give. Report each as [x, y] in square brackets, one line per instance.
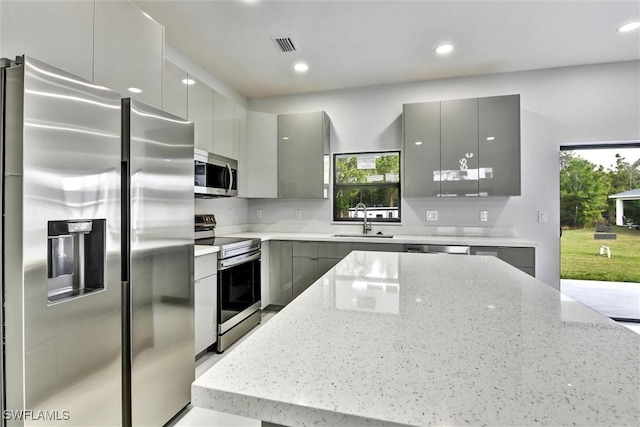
[62, 165]
[161, 227]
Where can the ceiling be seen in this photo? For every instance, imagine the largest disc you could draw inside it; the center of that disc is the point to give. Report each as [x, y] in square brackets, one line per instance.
[351, 43]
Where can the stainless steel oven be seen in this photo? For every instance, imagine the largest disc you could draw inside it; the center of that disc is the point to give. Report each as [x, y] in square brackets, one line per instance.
[238, 288]
[238, 292]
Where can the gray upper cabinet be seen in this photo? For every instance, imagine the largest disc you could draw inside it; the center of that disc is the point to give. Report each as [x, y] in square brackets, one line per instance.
[129, 49]
[421, 149]
[200, 112]
[465, 147]
[303, 141]
[174, 90]
[499, 145]
[459, 147]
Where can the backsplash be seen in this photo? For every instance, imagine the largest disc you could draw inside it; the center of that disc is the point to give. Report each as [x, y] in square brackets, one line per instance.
[456, 218]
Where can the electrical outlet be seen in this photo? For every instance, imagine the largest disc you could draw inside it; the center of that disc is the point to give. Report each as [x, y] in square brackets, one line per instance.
[298, 214]
[484, 216]
[543, 217]
[432, 215]
[258, 213]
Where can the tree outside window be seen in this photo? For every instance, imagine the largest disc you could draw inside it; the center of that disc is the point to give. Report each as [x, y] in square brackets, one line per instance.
[370, 178]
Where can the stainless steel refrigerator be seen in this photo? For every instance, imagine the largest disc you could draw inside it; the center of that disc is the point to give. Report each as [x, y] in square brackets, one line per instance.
[97, 268]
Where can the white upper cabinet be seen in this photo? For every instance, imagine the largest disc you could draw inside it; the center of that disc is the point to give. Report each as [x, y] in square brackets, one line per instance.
[262, 155]
[223, 141]
[58, 33]
[240, 141]
[200, 112]
[174, 90]
[129, 50]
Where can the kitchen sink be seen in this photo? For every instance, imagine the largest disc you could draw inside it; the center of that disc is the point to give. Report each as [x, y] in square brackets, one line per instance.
[383, 236]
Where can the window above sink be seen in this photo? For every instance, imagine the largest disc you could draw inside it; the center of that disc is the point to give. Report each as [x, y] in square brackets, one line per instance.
[372, 178]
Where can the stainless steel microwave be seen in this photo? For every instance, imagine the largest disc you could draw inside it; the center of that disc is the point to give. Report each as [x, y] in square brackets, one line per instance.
[215, 176]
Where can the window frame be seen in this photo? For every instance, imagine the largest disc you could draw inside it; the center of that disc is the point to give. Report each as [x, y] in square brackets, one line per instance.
[362, 186]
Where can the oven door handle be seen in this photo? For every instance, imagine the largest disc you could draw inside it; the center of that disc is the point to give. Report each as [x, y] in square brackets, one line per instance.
[226, 264]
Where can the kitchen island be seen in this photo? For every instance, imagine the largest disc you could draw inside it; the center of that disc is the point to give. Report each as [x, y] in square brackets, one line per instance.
[415, 339]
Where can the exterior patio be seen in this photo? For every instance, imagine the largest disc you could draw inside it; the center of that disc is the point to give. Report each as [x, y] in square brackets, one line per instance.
[620, 199]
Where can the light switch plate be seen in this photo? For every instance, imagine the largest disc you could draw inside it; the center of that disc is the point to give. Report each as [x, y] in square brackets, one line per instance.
[258, 213]
[298, 214]
[484, 216]
[543, 217]
[432, 215]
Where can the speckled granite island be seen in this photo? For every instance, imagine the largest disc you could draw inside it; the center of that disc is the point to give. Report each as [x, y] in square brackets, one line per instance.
[416, 339]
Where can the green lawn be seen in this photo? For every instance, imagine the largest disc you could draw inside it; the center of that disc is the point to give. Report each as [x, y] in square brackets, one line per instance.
[581, 260]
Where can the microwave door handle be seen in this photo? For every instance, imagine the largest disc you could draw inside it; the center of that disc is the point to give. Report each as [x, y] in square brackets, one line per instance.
[230, 178]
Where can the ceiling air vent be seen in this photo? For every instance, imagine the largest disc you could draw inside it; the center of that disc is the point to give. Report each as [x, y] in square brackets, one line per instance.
[285, 44]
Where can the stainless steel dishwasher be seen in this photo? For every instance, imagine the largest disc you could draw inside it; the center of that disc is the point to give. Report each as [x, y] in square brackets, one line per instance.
[439, 249]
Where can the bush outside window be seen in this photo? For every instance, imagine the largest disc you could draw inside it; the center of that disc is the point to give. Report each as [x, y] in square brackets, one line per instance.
[370, 178]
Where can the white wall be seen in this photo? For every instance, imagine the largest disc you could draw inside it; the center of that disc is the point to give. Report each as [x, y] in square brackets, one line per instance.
[558, 106]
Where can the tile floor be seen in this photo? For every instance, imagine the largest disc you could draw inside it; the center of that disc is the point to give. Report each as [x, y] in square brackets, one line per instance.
[613, 299]
[200, 417]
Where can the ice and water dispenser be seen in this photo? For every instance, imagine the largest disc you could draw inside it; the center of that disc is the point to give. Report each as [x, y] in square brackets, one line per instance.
[75, 258]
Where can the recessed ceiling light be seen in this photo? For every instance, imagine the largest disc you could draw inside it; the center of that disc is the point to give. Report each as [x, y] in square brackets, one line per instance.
[134, 90]
[491, 138]
[444, 48]
[418, 142]
[188, 81]
[285, 137]
[301, 67]
[629, 27]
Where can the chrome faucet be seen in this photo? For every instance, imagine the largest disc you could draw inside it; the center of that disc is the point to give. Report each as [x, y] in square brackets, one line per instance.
[365, 225]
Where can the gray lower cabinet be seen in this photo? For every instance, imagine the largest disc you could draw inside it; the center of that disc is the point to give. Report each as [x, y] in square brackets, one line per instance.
[379, 247]
[280, 272]
[303, 144]
[294, 266]
[326, 264]
[305, 272]
[522, 258]
[304, 266]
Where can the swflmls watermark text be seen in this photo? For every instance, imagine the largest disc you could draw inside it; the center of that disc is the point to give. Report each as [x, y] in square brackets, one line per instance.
[35, 415]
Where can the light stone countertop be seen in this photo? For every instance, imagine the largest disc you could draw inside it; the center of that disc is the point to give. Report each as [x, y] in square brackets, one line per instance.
[398, 238]
[415, 339]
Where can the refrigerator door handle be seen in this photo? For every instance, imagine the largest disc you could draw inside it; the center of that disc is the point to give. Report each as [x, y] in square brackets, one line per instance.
[230, 178]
